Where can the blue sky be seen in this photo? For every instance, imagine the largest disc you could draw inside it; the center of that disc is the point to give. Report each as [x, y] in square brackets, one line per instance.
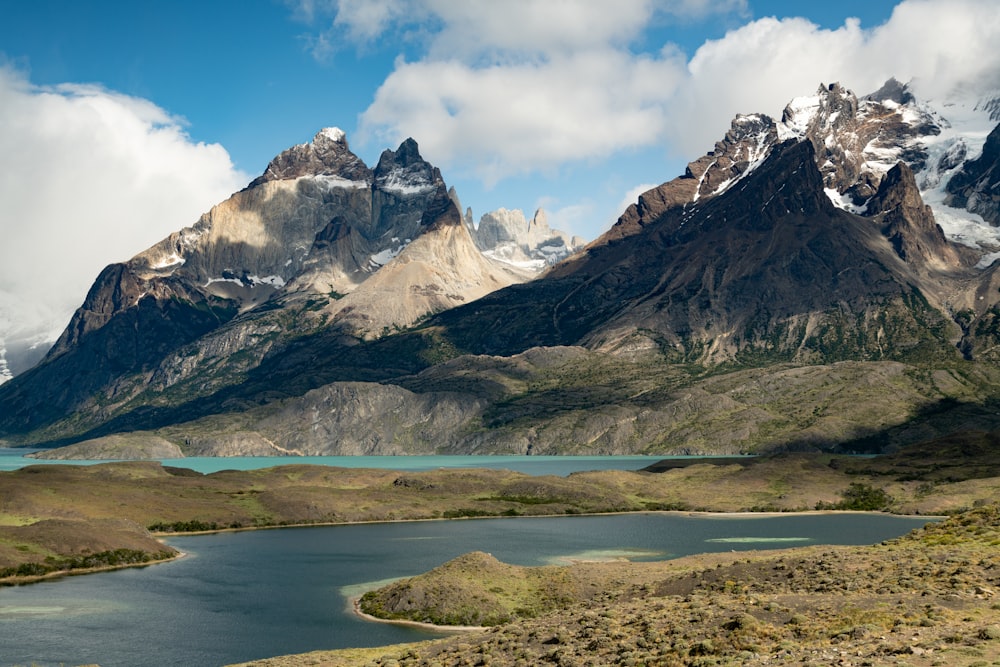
[245, 73]
[122, 121]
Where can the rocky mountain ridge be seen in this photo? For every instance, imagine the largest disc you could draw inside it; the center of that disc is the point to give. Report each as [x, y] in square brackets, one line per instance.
[736, 308]
[317, 222]
[318, 242]
[856, 140]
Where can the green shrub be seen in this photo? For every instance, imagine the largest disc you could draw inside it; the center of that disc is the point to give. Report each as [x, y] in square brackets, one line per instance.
[860, 497]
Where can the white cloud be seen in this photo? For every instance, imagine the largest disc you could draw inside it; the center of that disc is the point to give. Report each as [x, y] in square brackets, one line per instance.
[938, 44]
[509, 88]
[90, 177]
[632, 196]
[522, 29]
[516, 28]
[367, 19]
[503, 120]
[699, 9]
[572, 219]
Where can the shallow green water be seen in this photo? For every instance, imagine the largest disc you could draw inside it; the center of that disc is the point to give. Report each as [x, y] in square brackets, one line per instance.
[12, 459]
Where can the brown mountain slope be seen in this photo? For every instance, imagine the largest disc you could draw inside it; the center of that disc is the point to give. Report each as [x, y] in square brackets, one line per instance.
[769, 267]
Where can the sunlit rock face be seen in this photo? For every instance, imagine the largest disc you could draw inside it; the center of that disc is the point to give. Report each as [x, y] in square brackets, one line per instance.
[291, 254]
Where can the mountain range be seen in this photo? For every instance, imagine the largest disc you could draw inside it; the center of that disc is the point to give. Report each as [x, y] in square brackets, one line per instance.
[822, 280]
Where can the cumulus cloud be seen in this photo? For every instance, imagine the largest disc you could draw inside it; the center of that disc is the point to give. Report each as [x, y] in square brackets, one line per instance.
[90, 177]
[512, 27]
[505, 88]
[938, 45]
[503, 120]
[525, 29]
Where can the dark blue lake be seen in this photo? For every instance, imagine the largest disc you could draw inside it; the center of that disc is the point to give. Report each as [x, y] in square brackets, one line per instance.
[243, 596]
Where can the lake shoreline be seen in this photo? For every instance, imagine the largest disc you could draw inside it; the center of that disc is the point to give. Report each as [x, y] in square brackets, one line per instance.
[62, 574]
[59, 574]
[259, 594]
[694, 513]
[355, 603]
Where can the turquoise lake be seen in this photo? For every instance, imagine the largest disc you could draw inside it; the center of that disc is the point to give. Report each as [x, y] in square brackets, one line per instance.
[250, 595]
[12, 459]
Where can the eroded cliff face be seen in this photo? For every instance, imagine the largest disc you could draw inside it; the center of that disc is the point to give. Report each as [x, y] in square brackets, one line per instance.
[290, 255]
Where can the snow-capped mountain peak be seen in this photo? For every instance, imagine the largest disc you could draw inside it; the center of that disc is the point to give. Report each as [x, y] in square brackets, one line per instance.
[857, 141]
[334, 134]
[404, 173]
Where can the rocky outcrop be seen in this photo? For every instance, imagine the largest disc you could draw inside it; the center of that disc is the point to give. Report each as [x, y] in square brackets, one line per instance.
[745, 145]
[858, 141]
[118, 447]
[343, 419]
[908, 223]
[326, 155]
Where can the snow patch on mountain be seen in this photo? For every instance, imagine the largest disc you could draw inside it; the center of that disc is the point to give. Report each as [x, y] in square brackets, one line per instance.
[171, 261]
[332, 182]
[273, 281]
[799, 114]
[843, 201]
[966, 122]
[406, 183]
[332, 133]
[383, 257]
[234, 281]
[510, 253]
[249, 281]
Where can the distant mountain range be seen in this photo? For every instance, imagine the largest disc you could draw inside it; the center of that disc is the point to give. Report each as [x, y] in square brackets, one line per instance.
[825, 280]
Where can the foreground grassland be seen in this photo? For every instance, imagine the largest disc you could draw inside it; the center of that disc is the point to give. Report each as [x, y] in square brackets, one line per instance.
[926, 599]
[56, 518]
[929, 598]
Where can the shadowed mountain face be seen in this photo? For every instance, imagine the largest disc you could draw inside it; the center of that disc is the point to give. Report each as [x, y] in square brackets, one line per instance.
[977, 186]
[332, 308]
[768, 267]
